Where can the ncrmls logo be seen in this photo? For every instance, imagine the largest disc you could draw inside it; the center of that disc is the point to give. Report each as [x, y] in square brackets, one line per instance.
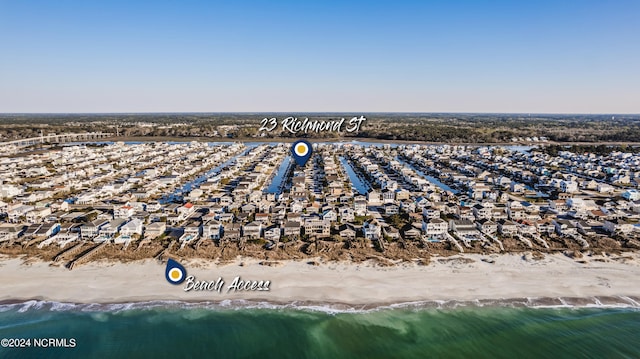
[175, 272]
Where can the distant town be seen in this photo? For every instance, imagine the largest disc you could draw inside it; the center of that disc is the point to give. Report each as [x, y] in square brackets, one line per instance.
[92, 198]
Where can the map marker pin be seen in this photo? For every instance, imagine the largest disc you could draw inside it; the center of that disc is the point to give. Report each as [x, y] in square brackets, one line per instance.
[175, 272]
[301, 151]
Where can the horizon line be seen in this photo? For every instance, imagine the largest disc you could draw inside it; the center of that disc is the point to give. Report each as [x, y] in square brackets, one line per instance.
[319, 112]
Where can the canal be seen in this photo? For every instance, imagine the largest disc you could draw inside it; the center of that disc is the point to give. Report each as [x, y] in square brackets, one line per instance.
[189, 186]
[276, 182]
[357, 183]
[431, 179]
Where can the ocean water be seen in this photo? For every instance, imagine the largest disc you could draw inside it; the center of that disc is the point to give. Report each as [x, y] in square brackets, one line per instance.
[180, 330]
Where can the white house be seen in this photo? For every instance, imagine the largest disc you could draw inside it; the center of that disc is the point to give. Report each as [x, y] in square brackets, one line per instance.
[346, 214]
[273, 233]
[112, 228]
[10, 231]
[507, 227]
[371, 230]
[317, 227]
[487, 226]
[329, 215]
[155, 229]
[185, 211]
[38, 214]
[212, 230]
[10, 191]
[605, 188]
[125, 211]
[374, 198]
[252, 230]
[631, 195]
[617, 226]
[568, 186]
[15, 212]
[435, 226]
[132, 227]
[391, 209]
[360, 207]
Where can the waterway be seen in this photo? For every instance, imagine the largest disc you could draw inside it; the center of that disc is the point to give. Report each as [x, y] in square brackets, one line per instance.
[359, 184]
[276, 181]
[431, 179]
[191, 185]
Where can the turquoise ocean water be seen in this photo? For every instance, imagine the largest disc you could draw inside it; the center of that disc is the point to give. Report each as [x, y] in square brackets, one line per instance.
[180, 330]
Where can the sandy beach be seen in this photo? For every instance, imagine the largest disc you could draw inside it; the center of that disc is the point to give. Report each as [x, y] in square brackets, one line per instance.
[459, 278]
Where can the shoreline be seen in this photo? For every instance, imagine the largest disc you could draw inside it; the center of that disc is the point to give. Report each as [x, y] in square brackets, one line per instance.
[617, 302]
[459, 279]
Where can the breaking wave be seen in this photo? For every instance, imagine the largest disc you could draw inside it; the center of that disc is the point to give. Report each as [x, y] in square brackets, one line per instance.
[329, 308]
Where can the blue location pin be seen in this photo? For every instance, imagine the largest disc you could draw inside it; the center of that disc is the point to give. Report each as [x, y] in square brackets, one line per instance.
[175, 272]
[301, 151]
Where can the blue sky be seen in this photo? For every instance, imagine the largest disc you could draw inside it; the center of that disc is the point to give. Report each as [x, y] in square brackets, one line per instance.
[360, 56]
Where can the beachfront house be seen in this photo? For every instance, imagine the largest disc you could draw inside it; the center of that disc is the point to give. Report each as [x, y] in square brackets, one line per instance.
[155, 229]
[16, 212]
[487, 226]
[618, 226]
[291, 229]
[434, 227]
[193, 228]
[191, 233]
[212, 230]
[92, 229]
[462, 226]
[391, 232]
[587, 228]
[132, 227]
[525, 227]
[232, 231]
[545, 226]
[411, 234]
[252, 230]
[347, 232]
[371, 230]
[47, 230]
[10, 231]
[112, 228]
[273, 233]
[31, 230]
[507, 227]
[315, 227]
